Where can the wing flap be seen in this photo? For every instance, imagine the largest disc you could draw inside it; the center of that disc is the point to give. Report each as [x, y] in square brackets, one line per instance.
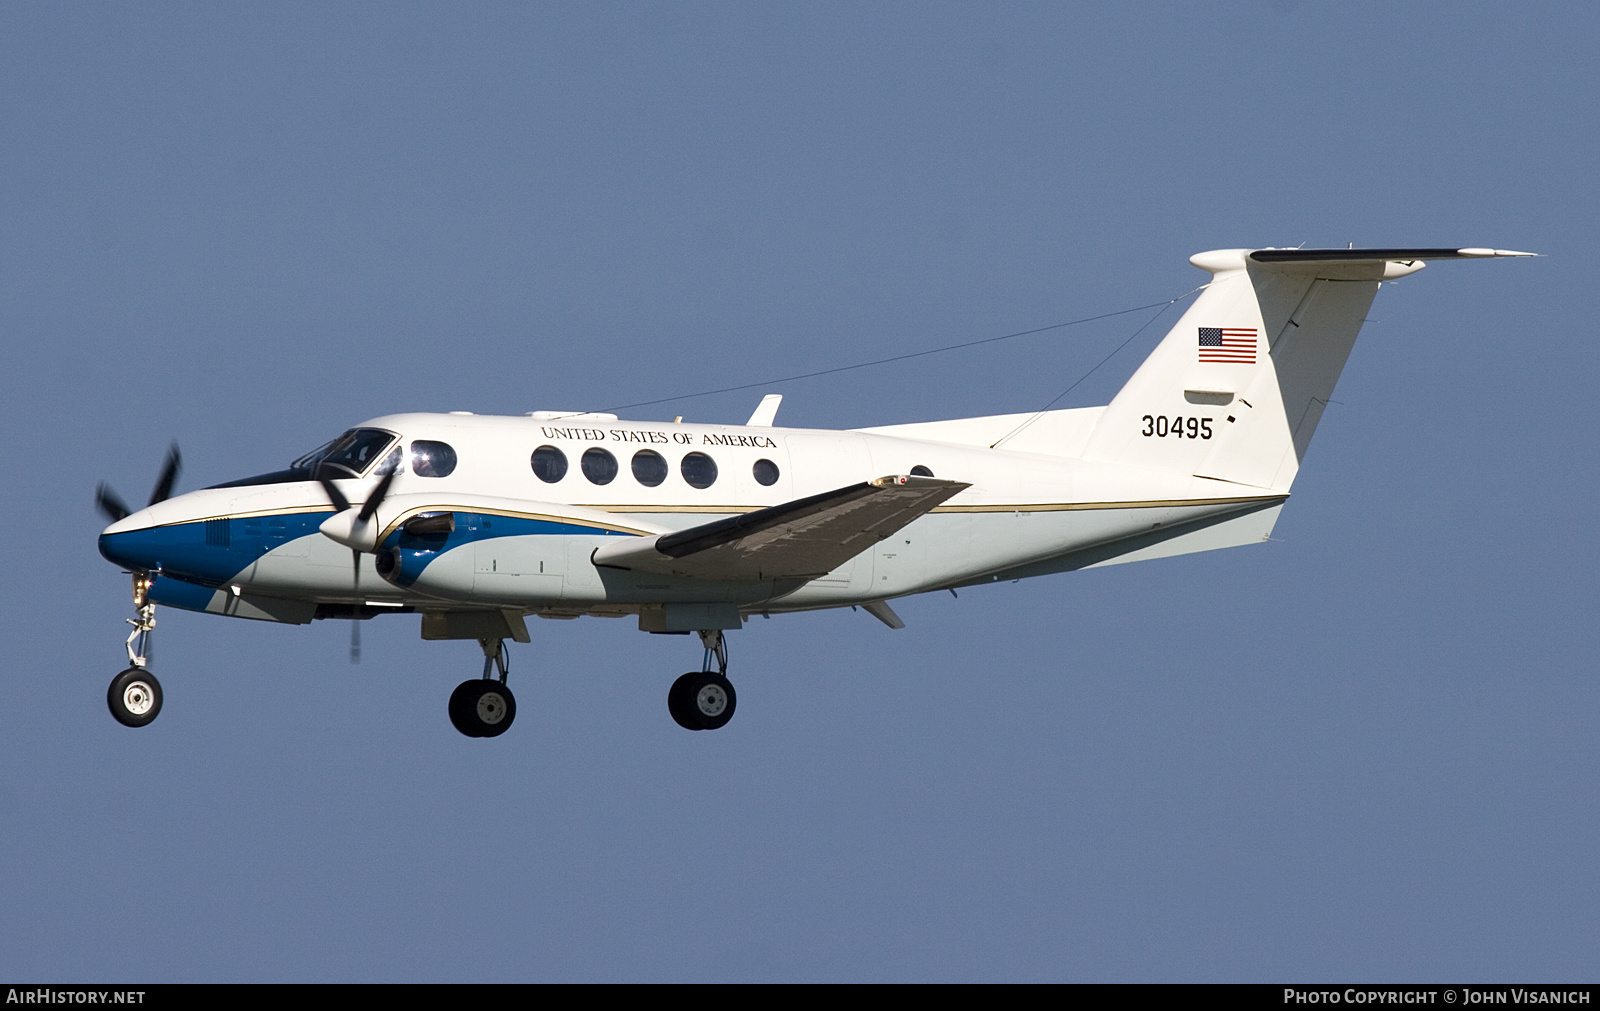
[801, 539]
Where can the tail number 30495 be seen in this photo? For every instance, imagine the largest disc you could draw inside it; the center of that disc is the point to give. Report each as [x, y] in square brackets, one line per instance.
[1160, 426]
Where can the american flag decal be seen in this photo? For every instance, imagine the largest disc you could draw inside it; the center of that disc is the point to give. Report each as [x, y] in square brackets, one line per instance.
[1228, 344]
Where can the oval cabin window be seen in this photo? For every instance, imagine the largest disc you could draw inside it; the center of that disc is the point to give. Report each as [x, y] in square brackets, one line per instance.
[599, 466]
[699, 470]
[549, 464]
[432, 459]
[649, 468]
[766, 473]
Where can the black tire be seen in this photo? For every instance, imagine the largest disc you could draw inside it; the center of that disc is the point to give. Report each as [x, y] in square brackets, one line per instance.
[460, 706]
[482, 708]
[134, 697]
[678, 702]
[701, 701]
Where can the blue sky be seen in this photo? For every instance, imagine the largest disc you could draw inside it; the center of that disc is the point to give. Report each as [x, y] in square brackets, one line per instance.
[1364, 751]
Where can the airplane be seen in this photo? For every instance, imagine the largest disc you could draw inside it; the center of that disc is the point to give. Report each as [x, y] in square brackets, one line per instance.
[477, 522]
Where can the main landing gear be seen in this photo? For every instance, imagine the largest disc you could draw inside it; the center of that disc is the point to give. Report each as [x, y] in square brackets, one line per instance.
[135, 695]
[704, 699]
[485, 707]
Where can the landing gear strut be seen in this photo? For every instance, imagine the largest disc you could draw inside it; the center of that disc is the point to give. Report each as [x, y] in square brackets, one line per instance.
[485, 707]
[135, 695]
[704, 699]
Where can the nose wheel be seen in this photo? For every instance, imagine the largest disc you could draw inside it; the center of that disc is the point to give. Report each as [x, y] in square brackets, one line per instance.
[704, 699]
[485, 707]
[134, 697]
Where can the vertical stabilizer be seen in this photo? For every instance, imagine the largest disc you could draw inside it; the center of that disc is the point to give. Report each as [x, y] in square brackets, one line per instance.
[1235, 390]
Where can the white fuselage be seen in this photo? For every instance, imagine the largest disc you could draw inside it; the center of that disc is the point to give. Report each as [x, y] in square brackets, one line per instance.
[1026, 512]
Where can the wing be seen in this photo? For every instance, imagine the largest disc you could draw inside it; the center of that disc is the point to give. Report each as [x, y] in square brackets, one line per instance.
[801, 539]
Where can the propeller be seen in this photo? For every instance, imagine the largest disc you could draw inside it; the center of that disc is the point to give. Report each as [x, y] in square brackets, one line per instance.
[340, 503]
[374, 500]
[114, 508]
[110, 503]
[354, 531]
[354, 534]
[169, 475]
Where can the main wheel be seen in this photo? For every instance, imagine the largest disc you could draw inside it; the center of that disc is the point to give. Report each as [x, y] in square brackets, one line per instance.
[482, 708]
[701, 700]
[134, 697]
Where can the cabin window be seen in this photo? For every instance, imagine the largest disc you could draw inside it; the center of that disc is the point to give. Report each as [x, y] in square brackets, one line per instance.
[599, 466]
[432, 459]
[699, 470]
[549, 464]
[766, 473]
[354, 452]
[649, 468]
[921, 471]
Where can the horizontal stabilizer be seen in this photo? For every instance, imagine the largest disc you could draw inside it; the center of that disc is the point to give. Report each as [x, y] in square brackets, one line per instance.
[796, 540]
[1348, 255]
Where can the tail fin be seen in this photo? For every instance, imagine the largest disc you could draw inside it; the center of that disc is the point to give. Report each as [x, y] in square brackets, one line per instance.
[1236, 389]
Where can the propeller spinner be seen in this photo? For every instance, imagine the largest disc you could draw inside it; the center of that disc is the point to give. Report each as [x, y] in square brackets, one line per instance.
[354, 529]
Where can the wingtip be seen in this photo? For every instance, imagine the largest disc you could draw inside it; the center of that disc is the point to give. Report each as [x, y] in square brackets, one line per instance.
[1485, 252]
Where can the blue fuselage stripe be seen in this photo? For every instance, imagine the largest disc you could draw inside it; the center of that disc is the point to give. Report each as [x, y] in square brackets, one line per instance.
[216, 552]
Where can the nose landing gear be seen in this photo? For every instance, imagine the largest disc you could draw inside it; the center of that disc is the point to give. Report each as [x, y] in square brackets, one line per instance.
[704, 699]
[135, 695]
[485, 707]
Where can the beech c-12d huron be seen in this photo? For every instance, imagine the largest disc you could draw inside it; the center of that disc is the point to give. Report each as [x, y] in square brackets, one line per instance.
[477, 522]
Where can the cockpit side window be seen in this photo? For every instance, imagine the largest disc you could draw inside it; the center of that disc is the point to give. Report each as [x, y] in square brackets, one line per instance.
[353, 453]
[390, 463]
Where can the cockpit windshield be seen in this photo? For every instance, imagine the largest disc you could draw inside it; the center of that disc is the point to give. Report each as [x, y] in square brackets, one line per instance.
[350, 455]
[309, 462]
[347, 456]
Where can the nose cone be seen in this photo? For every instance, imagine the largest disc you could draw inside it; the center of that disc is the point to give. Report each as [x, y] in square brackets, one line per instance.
[214, 535]
[134, 542]
[195, 550]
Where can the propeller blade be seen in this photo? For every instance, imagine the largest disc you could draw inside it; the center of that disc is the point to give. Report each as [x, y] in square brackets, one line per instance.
[374, 500]
[340, 503]
[355, 622]
[110, 503]
[169, 476]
